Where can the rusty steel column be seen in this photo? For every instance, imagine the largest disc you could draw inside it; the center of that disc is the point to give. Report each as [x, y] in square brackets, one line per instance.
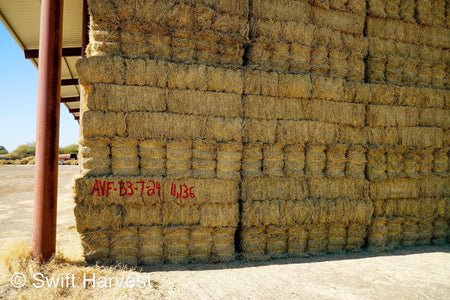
[47, 129]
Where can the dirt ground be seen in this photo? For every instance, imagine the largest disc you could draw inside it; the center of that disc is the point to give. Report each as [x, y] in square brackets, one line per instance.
[416, 273]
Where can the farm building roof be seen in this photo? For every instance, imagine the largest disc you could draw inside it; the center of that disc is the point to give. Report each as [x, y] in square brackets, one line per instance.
[22, 18]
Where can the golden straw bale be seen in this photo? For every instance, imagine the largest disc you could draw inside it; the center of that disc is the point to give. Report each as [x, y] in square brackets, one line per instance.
[200, 243]
[333, 188]
[297, 240]
[273, 189]
[204, 103]
[252, 159]
[411, 163]
[337, 235]
[204, 159]
[336, 159]
[152, 155]
[293, 132]
[424, 232]
[137, 215]
[174, 214]
[434, 186]
[328, 88]
[355, 236]
[151, 241]
[156, 73]
[225, 215]
[269, 83]
[293, 86]
[279, 58]
[107, 124]
[143, 125]
[384, 116]
[269, 108]
[176, 239]
[376, 163]
[223, 235]
[224, 129]
[440, 231]
[300, 58]
[394, 189]
[124, 153]
[284, 10]
[229, 160]
[225, 80]
[315, 160]
[426, 162]
[179, 159]
[261, 213]
[409, 231]
[317, 239]
[319, 60]
[193, 77]
[96, 217]
[440, 162]
[434, 117]
[105, 69]
[95, 156]
[422, 137]
[394, 162]
[276, 241]
[259, 130]
[252, 82]
[273, 160]
[96, 246]
[294, 164]
[407, 10]
[124, 244]
[395, 231]
[223, 253]
[297, 32]
[378, 234]
[356, 162]
[253, 242]
[337, 20]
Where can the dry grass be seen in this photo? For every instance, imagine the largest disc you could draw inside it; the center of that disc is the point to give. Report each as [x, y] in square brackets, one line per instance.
[15, 257]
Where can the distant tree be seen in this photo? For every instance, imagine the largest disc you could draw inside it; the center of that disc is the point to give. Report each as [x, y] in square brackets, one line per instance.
[69, 149]
[3, 150]
[26, 150]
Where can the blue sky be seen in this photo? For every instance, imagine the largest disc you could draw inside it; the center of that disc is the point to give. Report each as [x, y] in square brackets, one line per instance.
[18, 99]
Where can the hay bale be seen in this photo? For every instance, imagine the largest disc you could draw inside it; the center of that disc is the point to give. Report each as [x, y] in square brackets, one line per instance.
[252, 82]
[225, 80]
[440, 162]
[411, 161]
[138, 215]
[337, 235]
[152, 157]
[293, 86]
[336, 159]
[394, 162]
[259, 131]
[179, 159]
[253, 243]
[425, 232]
[317, 239]
[355, 162]
[409, 231]
[294, 164]
[328, 88]
[355, 236]
[421, 137]
[301, 132]
[395, 232]
[124, 153]
[315, 160]
[336, 112]
[384, 116]
[267, 188]
[319, 60]
[151, 242]
[203, 103]
[101, 69]
[338, 20]
[175, 214]
[225, 215]
[297, 241]
[394, 189]
[252, 160]
[426, 162]
[223, 244]
[182, 76]
[276, 241]
[90, 218]
[95, 156]
[124, 246]
[96, 246]
[106, 124]
[176, 240]
[333, 188]
[200, 243]
[262, 213]
[440, 226]
[224, 129]
[376, 163]
[273, 162]
[229, 160]
[204, 159]
[378, 234]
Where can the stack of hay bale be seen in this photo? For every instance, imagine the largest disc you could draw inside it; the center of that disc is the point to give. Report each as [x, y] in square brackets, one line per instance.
[272, 122]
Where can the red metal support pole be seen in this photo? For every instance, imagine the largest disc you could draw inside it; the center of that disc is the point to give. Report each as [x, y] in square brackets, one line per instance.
[47, 131]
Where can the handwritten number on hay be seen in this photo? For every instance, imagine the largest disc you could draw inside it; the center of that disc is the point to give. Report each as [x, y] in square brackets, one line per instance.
[182, 191]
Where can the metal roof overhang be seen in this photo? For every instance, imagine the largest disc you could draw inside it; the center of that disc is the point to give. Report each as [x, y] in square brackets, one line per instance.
[22, 19]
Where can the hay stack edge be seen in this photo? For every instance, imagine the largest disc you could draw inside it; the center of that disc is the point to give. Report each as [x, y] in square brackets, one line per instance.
[263, 128]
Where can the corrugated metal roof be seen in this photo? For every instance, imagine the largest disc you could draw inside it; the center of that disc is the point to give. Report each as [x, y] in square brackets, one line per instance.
[21, 18]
